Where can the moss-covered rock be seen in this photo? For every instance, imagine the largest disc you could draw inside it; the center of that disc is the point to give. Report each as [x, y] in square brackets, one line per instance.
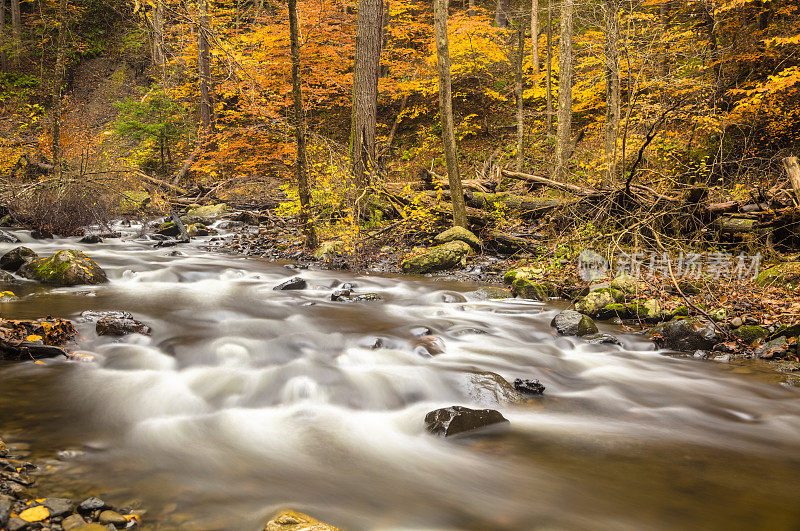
[65, 268]
[649, 310]
[627, 283]
[294, 521]
[786, 331]
[170, 228]
[593, 303]
[439, 258]
[615, 309]
[572, 323]
[750, 333]
[540, 291]
[327, 249]
[208, 213]
[197, 229]
[528, 272]
[786, 273]
[458, 234]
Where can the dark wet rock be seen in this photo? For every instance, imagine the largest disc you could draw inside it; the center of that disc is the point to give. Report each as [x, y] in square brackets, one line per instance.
[91, 238]
[175, 253]
[197, 229]
[529, 387]
[786, 331]
[439, 258]
[291, 284]
[491, 292]
[25, 350]
[572, 323]
[169, 243]
[7, 278]
[248, 218]
[41, 234]
[539, 291]
[685, 335]
[777, 348]
[16, 258]
[454, 420]
[526, 272]
[347, 295]
[113, 518]
[65, 268]
[428, 346]
[170, 228]
[750, 333]
[458, 234]
[59, 506]
[6, 502]
[109, 326]
[7, 237]
[91, 504]
[601, 339]
[73, 522]
[94, 315]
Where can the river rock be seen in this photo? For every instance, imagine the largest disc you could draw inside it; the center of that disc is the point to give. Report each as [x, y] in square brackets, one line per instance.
[458, 234]
[528, 272]
[489, 388]
[454, 420]
[16, 258]
[347, 295]
[774, 349]
[113, 518]
[538, 291]
[686, 335]
[572, 323]
[439, 258]
[208, 213]
[7, 237]
[94, 527]
[529, 387]
[602, 339]
[328, 249]
[649, 310]
[91, 239]
[294, 283]
[94, 315]
[73, 522]
[8, 296]
[91, 504]
[6, 502]
[627, 283]
[294, 521]
[246, 217]
[593, 303]
[170, 228]
[750, 333]
[41, 234]
[490, 293]
[786, 331]
[109, 326]
[59, 506]
[15, 523]
[65, 268]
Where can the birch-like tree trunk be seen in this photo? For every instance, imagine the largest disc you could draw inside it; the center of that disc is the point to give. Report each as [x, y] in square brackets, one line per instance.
[563, 148]
[366, 70]
[440, 8]
[301, 167]
[613, 103]
[535, 37]
[518, 91]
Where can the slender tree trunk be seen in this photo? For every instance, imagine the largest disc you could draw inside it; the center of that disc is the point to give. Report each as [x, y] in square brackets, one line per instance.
[16, 29]
[471, 10]
[58, 80]
[664, 13]
[564, 92]
[3, 55]
[518, 90]
[204, 68]
[440, 8]
[549, 59]
[535, 37]
[159, 59]
[501, 14]
[613, 103]
[365, 90]
[300, 131]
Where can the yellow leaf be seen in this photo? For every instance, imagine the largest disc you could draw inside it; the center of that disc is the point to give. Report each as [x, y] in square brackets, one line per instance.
[34, 338]
[39, 362]
[35, 514]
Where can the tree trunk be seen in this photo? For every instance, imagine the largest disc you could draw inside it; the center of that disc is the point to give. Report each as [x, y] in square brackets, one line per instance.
[563, 149]
[613, 104]
[58, 80]
[365, 90]
[471, 10]
[501, 15]
[440, 8]
[518, 90]
[535, 37]
[549, 59]
[16, 29]
[204, 68]
[159, 59]
[3, 55]
[300, 131]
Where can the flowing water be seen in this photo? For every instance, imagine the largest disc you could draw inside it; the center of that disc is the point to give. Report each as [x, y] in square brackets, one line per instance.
[247, 400]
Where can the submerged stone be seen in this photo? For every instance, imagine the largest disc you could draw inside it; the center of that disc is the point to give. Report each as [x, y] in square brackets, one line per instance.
[110, 326]
[295, 283]
[529, 387]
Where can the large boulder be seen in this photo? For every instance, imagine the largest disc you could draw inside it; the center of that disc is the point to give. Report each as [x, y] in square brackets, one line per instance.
[458, 234]
[572, 323]
[294, 521]
[528, 289]
[686, 335]
[65, 268]
[440, 258]
[454, 420]
[207, 213]
[7, 237]
[595, 301]
[649, 310]
[16, 258]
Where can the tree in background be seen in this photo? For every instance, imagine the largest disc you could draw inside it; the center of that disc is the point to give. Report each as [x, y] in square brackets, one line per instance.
[563, 144]
[613, 92]
[440, 16]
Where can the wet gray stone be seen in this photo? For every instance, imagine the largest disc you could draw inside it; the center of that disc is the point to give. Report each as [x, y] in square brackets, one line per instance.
[455, 420]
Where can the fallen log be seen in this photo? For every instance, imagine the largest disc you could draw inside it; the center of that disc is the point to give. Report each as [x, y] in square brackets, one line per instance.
[23, 350]
[161, 184]
[566, 187]
[508, 243]
[793, 171]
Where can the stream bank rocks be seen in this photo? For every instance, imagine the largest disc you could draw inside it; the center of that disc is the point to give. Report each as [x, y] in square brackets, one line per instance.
[114, 326]
[295, 521]
[439, 258]
[454, 420]
[65, 268]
